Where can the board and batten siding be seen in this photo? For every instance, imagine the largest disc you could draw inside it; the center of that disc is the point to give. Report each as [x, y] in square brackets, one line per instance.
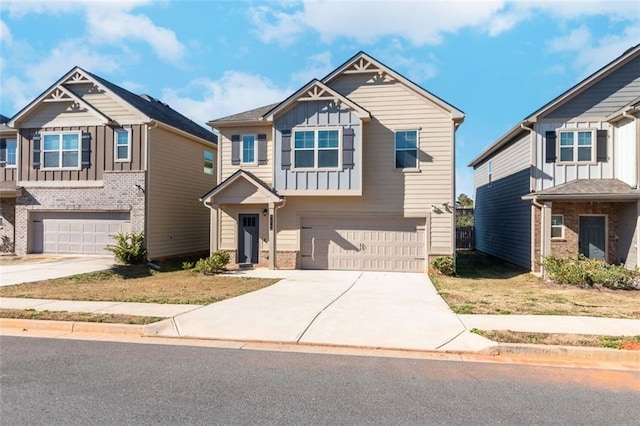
[628, 229]
[548, 175]
[626, 151]
[102, 154]
[502, 219]
[608, 95]
[178, 223]
[311, 115]
[264, 172]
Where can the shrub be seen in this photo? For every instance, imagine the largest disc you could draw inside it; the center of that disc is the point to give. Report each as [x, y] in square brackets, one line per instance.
[585, 272]
[129, 248]
[187, 265]
[444, 265]
[213, 264]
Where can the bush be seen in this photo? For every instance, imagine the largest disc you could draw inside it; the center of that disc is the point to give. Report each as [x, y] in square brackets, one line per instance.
[129, 248]
[584, 272]
[187, 265]
[444, 265]
[213, 264]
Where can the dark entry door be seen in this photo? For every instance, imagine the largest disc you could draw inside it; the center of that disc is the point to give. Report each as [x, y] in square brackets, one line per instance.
[248, 238]
[592, 239]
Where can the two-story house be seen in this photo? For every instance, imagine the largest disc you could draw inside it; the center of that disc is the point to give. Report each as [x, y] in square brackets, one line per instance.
[565, 180]
[8, 190]
[354, 171]
[91, 159]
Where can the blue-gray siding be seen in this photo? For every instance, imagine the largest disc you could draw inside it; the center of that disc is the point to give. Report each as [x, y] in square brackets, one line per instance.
[503, 219]
[317, 114]
[606, 96]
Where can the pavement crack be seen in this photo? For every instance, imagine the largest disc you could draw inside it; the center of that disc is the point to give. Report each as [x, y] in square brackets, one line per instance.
[175, 326]
[325, 308]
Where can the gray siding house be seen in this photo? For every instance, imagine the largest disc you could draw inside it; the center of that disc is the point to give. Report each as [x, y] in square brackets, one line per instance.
[88, 159]
[565, 179]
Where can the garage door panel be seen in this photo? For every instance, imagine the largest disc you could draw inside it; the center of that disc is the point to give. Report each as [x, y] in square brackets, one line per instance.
[388, 244]
[76, 232]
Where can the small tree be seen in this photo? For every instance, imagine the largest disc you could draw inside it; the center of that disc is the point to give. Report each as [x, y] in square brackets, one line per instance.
[464, 201]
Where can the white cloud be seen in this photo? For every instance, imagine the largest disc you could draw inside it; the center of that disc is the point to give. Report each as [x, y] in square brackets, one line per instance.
[419, 22]
[113, 26]
[234, 92]
[5, 34]
[318, 66]
[577, 39]
[417, 68]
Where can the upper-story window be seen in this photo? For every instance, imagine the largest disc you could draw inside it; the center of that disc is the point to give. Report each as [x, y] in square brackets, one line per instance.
[249, 149]
[8, 153]
[122, 145]
[319, 149]
[576, 146]
[208, 163]
[61, 150]
[406, 147]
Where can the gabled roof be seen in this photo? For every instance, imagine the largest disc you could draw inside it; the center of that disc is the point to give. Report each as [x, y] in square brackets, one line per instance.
[315, 90]
[262, 187]
[149, 109]
[253, 115]
[628, 55]
[363, 63]
[587, 189]
[3, 119]
[3, 124]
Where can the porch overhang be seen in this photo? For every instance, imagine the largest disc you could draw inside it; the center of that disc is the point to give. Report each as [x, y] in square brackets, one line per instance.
[10, 190]
[586, 190]
[242, 187]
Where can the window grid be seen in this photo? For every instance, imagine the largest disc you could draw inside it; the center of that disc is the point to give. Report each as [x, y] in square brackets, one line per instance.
[12, 148]
[61, 151]
[248, 149]
[406, 149]
[123, 145]
[324, 154]
[557, 226]
[576, 146]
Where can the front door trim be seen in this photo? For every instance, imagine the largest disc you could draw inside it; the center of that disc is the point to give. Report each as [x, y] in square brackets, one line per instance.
[248, 232]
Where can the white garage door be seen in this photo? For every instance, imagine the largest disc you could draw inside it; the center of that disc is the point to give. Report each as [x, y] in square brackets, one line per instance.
[76, 233]
[371, 244]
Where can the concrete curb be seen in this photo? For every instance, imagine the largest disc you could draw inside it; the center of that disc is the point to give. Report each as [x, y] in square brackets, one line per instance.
[548, 353]
[73, 326]
[573, 352]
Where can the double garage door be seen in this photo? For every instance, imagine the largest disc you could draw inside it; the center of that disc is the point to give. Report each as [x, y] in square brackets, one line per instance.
[371, 244]
[76, 233]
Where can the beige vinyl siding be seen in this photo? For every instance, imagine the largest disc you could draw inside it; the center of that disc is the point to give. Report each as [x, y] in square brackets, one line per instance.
[229, 231]
[511, 159]
[60, 114]
[553, 174]
[263, 172]
[178, 223]
[105, 103]
[102, 154]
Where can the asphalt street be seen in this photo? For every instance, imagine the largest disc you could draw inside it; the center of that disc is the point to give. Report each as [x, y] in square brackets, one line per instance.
[56, 382]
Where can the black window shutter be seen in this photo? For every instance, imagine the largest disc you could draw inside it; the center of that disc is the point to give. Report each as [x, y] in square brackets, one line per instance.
[235, 149]
[550, 147]
[3, 152]
[86, 150]
[262, 148]
[286, 149]
[602, 145]
[36, 151]
[348, 136]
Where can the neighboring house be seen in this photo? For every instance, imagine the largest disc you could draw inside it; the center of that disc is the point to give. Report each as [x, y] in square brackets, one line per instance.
[94, 159]
[565, 180]
[8, 190]
[354, 171]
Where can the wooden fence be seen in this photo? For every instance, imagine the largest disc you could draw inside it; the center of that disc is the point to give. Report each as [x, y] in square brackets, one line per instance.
[465, 237]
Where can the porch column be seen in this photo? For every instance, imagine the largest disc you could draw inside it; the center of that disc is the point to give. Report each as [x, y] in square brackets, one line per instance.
[272, 236]
[545, 245]
[213, 233]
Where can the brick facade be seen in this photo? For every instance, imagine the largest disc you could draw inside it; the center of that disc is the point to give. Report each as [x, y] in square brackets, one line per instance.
[118, 193]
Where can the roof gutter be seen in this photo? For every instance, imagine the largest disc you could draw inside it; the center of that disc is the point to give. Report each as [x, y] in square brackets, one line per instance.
[581, 197]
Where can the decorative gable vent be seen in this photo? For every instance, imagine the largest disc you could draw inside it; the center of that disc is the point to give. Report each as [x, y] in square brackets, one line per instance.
[77, 78]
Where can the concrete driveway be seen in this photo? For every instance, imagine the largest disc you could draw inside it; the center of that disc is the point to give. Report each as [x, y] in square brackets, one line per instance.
[365, 309]
[43, 268]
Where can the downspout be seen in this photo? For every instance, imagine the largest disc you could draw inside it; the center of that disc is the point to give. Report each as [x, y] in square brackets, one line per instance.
[532, 180]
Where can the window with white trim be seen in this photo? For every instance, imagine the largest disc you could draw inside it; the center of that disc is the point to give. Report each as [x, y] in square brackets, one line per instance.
[12, 152]
[249, 149]
[61, 150]
[557, 226]
[208, 163]
[406, 149]
[316, 149]
[576, 146]
[122, 145]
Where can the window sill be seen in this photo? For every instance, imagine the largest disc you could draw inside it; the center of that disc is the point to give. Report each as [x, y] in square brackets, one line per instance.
[60, 169]
[558, 240]
[122, 161]
[312, 169]
[409, 170]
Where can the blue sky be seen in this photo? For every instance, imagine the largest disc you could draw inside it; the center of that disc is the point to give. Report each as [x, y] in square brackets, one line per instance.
[495, 60]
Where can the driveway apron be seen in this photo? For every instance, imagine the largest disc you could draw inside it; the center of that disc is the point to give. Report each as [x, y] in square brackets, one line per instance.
[369, 309]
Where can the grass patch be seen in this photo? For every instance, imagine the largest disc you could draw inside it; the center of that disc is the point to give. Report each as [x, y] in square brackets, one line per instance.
[77, 316]
[509, 289]
[612, 342]
[140, 283]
